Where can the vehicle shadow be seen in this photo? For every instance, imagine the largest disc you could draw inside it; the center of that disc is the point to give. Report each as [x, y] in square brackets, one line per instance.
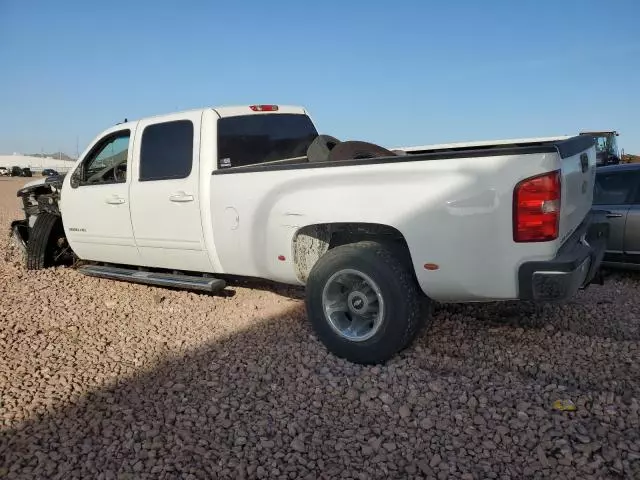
[180, 417]
[289, 291]
[270, 402]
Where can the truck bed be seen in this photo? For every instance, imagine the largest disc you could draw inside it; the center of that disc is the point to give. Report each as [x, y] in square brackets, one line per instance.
[483, 143]
[446, 210]
[564, 146]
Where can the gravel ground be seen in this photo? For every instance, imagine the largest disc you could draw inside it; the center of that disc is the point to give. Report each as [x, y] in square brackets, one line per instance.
[110, 380]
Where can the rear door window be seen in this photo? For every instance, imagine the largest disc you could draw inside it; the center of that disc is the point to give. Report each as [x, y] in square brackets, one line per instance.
[614, 188]
[166, 152]
[256, 139]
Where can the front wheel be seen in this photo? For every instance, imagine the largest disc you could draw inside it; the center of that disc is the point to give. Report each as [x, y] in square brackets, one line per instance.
[363, 302]
[47, 245]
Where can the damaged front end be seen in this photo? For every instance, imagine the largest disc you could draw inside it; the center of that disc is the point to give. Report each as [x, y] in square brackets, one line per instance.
[20, 234]
[40, 196]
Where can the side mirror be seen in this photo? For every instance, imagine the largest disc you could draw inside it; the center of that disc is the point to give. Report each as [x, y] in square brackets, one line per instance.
[74, 181]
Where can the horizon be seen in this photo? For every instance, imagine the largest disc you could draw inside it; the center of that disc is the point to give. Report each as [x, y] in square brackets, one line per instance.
[413, 74]
[39, 155]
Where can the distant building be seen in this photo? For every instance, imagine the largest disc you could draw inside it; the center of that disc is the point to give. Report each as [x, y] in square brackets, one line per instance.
[36, 164]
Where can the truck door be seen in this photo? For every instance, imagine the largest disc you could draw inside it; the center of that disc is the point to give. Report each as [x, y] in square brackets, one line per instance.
[613, 192]
[95, 201]
[165, 193]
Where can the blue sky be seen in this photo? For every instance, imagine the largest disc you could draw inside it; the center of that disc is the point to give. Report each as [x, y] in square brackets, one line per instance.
[394, 73]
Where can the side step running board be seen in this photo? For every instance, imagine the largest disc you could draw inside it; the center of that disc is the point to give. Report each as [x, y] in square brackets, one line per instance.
[187, 282]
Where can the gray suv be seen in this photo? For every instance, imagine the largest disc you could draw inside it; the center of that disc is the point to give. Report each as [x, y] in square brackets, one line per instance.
[617, 192]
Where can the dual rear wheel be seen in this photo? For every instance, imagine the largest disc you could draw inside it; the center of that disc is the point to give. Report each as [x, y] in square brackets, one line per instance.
[363, 302]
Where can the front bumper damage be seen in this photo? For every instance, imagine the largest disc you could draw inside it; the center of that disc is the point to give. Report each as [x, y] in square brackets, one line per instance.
[37, 196]
[20, 234]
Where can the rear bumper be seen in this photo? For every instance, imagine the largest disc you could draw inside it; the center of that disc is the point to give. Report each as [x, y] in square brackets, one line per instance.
[573, 268]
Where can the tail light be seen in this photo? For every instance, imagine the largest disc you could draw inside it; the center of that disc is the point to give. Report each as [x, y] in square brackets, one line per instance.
[264, 108]
[536, 208]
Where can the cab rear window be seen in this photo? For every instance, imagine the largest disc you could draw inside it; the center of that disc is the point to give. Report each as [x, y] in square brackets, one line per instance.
[256, 139]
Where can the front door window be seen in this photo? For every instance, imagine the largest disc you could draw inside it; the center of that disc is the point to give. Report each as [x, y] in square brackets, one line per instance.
[108, 163]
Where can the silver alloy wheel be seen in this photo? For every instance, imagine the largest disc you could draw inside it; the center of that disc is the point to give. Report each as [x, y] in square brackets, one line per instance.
[353, 305]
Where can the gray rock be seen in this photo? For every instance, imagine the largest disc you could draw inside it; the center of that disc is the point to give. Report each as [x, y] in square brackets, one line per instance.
[351, 394]
[298, 445]
[426, 424]
[583, 438]
[404, 411]
[424, 467]
[436, 386]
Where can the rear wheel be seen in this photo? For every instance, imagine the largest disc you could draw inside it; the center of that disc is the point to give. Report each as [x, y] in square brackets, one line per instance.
[363, 302]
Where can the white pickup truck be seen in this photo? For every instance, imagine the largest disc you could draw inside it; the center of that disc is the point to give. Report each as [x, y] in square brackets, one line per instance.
[187, 199]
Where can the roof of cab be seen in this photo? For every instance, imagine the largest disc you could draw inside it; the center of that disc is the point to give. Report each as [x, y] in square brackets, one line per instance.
[237, 110]
[224, 111]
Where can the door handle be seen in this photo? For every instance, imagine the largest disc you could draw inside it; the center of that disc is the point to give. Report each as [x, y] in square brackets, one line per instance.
[181, 197]
[614, 215]
[114, 200]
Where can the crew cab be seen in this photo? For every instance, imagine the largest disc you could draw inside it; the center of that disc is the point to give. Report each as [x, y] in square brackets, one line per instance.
[188, 199]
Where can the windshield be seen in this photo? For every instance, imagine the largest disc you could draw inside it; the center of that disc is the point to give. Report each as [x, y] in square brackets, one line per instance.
[606, 144]
[254, 139]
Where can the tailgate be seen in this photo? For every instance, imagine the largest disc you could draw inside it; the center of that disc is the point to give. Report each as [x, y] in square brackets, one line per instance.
[578, 165]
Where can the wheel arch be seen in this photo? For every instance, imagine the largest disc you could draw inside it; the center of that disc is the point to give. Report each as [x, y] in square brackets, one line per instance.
[312, 241]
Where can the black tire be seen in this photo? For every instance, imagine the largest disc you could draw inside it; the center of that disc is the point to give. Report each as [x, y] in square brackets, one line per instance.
[321, 147]
[404, 315]
[40, 246]
[358, 150]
